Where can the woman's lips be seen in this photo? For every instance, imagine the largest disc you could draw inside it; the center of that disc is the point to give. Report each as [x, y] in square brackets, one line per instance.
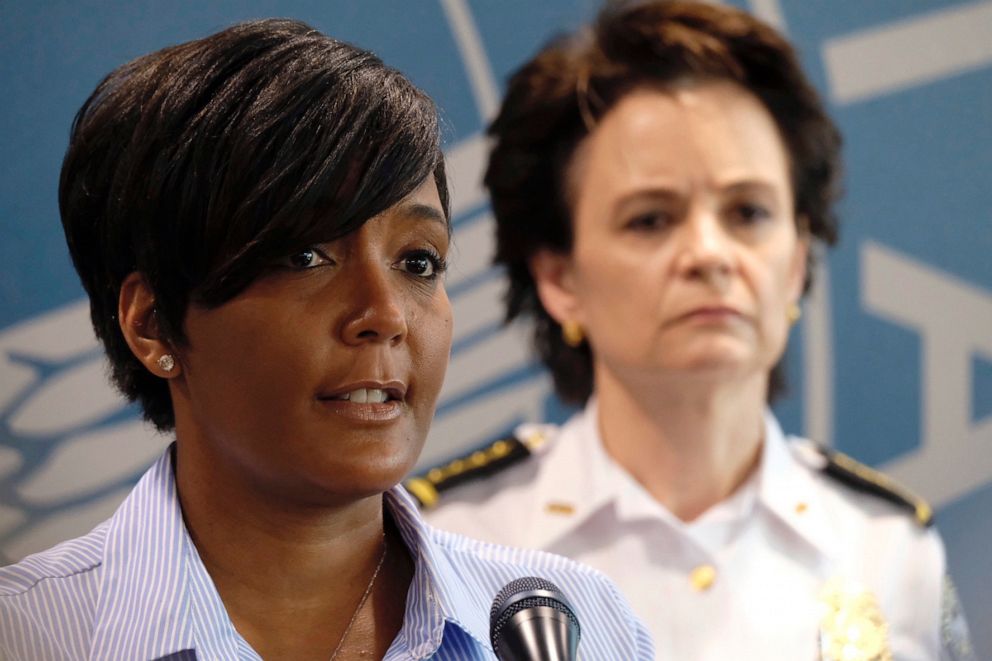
[364, 413]
[366, 401]
[712, 314]
[367, 392]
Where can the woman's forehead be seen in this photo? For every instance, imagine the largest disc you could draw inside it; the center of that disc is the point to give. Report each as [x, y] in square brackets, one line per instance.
[716, 131]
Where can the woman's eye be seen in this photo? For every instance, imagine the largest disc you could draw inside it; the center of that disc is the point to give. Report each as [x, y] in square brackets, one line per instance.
[648, 221]
[306, 259]
[751, 213]
[422, 263]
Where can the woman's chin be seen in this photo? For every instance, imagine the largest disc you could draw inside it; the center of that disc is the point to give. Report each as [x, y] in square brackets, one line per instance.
[369, 478]
[334, 482]
[721, 357]
[720, 368]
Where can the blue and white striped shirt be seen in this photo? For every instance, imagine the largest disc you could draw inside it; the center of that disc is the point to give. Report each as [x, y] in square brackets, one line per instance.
[135, 588]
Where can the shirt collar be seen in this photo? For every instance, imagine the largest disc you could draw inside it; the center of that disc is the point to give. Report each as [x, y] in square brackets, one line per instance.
[579, 479]
[633, 502]
[788, 489]
[157, 599]
[143, 607]
[437, 594]
[576, 479]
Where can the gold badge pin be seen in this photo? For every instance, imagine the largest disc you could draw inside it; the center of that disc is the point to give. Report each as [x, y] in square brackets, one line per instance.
[852, 627]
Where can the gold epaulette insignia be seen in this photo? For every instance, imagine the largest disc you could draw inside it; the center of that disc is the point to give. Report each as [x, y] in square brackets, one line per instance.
[427, 487]
[863, 478]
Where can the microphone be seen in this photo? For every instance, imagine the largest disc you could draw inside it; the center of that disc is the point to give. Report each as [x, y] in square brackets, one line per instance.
[531, 620]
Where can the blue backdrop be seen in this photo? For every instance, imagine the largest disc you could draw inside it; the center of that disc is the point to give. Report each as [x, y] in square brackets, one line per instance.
[892, 362]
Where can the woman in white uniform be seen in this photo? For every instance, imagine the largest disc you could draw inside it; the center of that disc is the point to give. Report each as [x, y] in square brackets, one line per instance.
[661, 184]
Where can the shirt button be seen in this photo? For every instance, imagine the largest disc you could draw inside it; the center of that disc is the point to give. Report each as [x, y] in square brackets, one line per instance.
[702, 577]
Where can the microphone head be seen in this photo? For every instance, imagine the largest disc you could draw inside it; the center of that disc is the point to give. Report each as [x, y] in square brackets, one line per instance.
[531, 620]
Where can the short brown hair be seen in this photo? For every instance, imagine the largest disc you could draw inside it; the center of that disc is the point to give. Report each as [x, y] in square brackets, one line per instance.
[554, 99]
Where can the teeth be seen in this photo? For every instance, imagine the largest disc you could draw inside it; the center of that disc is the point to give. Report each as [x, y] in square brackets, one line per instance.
[366, 396]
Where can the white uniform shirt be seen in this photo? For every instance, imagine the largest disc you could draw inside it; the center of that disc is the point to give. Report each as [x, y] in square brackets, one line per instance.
[743, 581]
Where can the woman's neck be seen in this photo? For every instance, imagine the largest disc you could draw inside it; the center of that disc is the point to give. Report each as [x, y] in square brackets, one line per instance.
[291, 581]
[689, 443]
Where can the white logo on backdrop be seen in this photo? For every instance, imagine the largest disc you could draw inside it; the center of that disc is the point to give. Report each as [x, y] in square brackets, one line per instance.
[71, 448]
[954, 322]
[953, 318]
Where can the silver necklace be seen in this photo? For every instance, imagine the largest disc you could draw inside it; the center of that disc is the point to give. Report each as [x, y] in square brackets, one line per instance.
[365, 597]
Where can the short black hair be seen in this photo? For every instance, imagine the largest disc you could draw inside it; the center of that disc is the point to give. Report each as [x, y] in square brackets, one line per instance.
[200, 164]
[554, 99]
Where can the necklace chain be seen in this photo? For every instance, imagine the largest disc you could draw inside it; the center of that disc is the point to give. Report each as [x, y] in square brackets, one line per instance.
[365, 597]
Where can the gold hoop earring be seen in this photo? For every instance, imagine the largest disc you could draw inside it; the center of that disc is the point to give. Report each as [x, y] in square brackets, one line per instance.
[166, 362]
[571, 333]
[793, 313]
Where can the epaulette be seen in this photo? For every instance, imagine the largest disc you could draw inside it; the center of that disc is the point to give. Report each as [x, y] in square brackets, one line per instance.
[863, 478]
[427, 487]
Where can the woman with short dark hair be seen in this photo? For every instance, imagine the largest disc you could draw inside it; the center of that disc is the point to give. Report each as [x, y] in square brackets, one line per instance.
[260, 219]
[661, 182]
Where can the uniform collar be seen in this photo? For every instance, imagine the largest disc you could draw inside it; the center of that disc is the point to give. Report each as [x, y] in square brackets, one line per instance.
[788, 488]
[576, 479]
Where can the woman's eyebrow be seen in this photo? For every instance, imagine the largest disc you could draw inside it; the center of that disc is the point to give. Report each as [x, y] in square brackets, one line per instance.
[656, 194]
[749, 185]
[423, 212]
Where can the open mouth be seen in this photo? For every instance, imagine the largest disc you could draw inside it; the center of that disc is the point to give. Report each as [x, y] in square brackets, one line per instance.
[377, 393]
[368, 396]
[366, 404]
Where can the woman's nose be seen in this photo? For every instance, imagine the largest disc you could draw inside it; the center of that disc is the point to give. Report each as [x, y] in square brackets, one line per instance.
[705, 248]
[376, 311]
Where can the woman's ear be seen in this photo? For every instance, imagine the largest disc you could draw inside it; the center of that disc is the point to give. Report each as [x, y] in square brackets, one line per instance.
[139, 324]
[552, 272]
